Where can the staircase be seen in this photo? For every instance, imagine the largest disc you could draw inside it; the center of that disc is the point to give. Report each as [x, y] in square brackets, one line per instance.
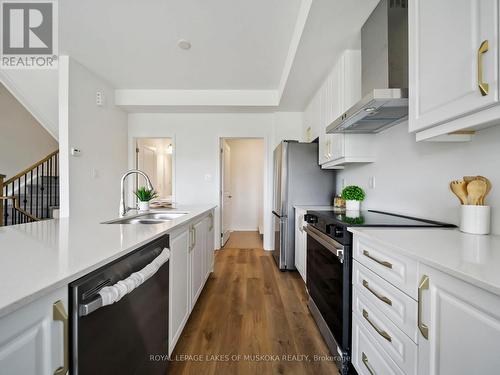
[32, 194]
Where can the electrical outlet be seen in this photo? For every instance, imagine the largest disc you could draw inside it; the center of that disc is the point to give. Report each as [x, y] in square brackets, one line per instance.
[343, 183]
[99, 98]
[371, 182]
[95, 173]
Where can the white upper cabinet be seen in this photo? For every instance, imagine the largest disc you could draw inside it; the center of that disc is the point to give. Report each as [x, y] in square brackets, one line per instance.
[341, 90]
[453, 65]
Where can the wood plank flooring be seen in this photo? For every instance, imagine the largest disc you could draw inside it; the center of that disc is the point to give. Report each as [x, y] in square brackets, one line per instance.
[244, 240]
[251, 319]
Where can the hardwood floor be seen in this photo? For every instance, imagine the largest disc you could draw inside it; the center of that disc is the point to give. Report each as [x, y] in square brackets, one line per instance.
[244, 240]
[251, 319]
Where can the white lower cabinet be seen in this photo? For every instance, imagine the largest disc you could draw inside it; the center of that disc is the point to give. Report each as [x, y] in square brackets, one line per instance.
[300, 243]
[463, 324]
[191, 262]
[367, 356]
[409, 318]
[179, 291]
[33, 339]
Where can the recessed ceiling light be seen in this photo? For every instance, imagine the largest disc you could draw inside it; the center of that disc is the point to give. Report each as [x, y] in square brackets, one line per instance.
[184, 44]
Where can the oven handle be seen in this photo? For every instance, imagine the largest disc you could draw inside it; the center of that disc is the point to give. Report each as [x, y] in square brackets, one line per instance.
[136, 279]
[329, 243]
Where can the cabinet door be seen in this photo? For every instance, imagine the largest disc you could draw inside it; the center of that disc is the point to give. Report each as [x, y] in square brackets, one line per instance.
[463, 326]
[179, 285]
[300, 243]
[32, 340]
[444, 42]
[209, 245]
[197, 255]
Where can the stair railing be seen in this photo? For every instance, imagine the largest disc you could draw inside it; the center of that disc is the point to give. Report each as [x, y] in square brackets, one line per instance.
[35, 190]
[18, 215]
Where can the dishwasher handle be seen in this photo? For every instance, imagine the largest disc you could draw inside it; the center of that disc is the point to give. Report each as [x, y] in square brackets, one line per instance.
[136, 279]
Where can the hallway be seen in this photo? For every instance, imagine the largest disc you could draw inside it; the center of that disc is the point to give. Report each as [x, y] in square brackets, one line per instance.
[251, 319]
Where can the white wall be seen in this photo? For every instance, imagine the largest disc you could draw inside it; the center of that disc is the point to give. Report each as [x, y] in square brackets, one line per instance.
[196, 138]
[90, 182]
[36, 89]
[413, 178]
[23, 141]
[247, 182]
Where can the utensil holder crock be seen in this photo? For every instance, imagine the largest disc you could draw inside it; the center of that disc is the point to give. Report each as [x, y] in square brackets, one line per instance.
[475, 219]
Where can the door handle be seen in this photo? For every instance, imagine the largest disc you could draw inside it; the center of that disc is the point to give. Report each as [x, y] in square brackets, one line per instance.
[364, 358]
[211, 216]
[483, 86]
[424, 285]
[59, 314]
[382, 262]
[381, 332]
[379, 296]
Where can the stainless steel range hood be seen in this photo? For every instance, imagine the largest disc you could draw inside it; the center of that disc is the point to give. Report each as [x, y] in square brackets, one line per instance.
[384, 72]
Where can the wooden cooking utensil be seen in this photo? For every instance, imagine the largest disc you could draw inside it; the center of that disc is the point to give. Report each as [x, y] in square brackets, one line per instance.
[476, 190]
[459, 188]
[488, 188]
[469, 178]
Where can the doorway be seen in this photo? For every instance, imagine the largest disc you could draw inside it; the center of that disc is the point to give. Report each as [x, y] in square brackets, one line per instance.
[242, 186]
[154, 156]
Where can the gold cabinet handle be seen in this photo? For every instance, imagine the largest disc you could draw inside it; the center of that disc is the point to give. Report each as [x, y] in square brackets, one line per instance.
[211, 216]
[379, 296]
[364, 358]
[424, 285]
[381, 332]
[382, 262]
[483, 86]
[59, 314]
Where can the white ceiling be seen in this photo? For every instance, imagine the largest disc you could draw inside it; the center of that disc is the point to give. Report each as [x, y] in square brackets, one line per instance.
[332, 26]
[238, 45]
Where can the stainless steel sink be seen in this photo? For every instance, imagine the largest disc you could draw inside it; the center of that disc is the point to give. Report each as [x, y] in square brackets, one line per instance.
[149, 218]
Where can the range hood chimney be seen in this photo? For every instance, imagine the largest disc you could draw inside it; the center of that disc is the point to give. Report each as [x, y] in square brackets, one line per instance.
[384, 72]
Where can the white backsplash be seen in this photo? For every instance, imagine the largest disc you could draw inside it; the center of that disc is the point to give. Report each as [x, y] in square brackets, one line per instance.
[413, 178]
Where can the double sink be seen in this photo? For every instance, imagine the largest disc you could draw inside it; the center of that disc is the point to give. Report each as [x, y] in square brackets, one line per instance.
[149, 218]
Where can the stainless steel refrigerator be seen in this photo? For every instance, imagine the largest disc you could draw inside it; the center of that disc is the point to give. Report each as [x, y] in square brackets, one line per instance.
[298, 180]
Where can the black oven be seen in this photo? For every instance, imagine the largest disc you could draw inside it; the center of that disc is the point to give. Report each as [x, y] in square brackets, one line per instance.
[328, 285]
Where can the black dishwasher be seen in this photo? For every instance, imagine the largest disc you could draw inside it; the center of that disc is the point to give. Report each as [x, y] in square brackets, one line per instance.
[128, 337]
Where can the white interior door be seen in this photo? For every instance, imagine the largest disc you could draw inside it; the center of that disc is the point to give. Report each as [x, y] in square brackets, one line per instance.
[147, 161]
[226, 192]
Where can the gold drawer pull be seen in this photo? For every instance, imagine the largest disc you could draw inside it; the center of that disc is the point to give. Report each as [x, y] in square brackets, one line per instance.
[381, 332]
[484, 88]
[382, 262]
[364, 358]
[379, 296]
[59, 314]
[424, 285]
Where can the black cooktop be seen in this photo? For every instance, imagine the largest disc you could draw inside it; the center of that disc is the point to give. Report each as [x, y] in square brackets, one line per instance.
[375, 219]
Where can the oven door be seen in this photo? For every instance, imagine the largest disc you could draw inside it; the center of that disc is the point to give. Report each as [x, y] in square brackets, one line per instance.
[325, 285]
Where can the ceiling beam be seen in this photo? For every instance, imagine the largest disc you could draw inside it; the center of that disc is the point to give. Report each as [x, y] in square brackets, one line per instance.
[158, 97]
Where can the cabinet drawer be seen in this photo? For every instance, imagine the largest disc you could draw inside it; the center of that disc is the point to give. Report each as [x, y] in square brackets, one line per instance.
[399, 270]
[401, 349]
[367, 357]
[393, 303]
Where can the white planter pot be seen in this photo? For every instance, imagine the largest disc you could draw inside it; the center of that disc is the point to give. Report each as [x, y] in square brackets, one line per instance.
[475, 219]
[143, 206]
[352, 205]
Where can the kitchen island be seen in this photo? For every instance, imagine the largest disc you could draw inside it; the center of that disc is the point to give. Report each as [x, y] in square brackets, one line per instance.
[39, 260]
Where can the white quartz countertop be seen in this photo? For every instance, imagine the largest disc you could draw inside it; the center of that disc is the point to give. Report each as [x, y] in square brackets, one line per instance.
[472, 258]
[40, 257]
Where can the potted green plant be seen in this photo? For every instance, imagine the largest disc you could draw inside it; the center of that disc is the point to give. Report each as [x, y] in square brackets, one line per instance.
[145, 195]
[353, 195]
